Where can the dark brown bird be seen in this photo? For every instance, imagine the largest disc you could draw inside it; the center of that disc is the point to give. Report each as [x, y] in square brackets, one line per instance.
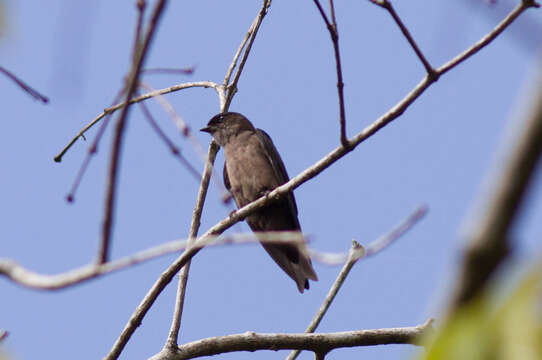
[253, 168]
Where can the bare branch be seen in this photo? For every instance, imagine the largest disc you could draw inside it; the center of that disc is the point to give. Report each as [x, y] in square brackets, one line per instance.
[232, 87]
[112, 109]
[172, 147]
[149, 299]
[185, 130]
[384, 241]
[34, 93]
[334, 33]
[387, 5]
[159, 285]
[489, 233]
[237, 54]
[92, 150]
[184, 71]
[133, 79]
[167, 275]
[194, 227]
[520, 8]
[141, 6]
[30, 279]
[356, 253]
[181, 125]
[22, 276]
[318, 343]
[323, 14]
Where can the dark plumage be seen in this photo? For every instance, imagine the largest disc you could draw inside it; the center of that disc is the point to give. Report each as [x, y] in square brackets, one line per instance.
[253, 168]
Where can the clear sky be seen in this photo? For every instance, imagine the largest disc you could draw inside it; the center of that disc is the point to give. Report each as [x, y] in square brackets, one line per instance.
[439, 153]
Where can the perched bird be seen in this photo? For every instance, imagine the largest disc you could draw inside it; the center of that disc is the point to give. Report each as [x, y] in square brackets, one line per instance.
[253, 168]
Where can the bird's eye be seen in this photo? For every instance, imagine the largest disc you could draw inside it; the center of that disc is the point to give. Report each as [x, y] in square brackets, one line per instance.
[217, 119]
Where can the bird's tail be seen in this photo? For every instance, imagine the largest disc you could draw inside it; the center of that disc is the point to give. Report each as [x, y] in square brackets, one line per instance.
[298, 267]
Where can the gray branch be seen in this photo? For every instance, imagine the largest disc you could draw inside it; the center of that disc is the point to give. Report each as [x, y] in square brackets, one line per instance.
[318, 343]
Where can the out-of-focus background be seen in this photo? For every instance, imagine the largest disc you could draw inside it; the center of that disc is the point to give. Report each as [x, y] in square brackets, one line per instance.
[441, 152]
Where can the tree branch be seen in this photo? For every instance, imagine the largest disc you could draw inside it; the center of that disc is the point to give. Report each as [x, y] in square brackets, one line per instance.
[194, 227]
[489, 235]
[319, 343]
[139, 59]
[387, 5]
[175, 151]
[114, 108]
[30, 279]
[22, 276]
[34, 93]
[92, 150]
[520, 8]
[357, 252]
[334, 33]
[252, 32]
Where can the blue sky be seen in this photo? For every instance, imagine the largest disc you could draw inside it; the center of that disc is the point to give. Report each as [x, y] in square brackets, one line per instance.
[439, 153]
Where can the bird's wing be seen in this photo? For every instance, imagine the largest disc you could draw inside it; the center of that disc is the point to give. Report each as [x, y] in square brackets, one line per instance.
[279, 168]
[226, 178]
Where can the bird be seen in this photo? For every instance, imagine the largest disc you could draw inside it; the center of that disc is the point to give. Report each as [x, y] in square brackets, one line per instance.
[253, 168]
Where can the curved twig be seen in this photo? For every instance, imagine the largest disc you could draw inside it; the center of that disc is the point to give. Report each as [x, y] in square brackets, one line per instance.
[112, 109]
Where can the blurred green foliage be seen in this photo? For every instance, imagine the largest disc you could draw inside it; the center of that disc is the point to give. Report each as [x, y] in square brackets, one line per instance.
[495, 326]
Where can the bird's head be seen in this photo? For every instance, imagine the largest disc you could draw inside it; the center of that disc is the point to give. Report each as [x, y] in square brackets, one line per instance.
[224, 126]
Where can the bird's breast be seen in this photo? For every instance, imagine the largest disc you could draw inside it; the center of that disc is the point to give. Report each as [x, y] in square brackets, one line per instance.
[249, 171]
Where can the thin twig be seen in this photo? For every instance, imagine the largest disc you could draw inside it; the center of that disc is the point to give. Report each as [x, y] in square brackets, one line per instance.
[384, 241]
[112, 109]
[172, 147]
[103, 252]
[92, 150]
[232, 87]
[181, 125]
[34, 93]
[387, 5]
[320, 343]
[334, 33]
[357, 252]
[233, 63]
[184, 71]
[194, 227]
[323, 14]
[520, 8]
[141, 6]
[151, 296]
[16, 273]
[185, 130]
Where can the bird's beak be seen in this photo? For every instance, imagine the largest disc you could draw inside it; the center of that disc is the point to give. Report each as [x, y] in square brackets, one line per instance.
[206, 129]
